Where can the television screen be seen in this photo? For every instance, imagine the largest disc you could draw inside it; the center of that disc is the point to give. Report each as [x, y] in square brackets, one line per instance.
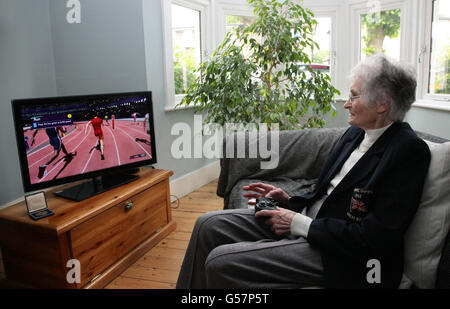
[69, 138]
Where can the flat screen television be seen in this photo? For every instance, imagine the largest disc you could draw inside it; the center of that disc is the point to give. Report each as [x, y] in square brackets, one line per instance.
[101, 137]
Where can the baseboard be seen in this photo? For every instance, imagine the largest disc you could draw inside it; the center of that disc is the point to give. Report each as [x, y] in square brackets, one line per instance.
[188, 183]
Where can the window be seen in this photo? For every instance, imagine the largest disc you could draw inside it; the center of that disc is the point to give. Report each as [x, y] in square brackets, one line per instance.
[185, 40]
[229, 15]
[186, 46]
[325, 35]
[434, 54]
[321, 58]
[439, 67]
[378, 27]
[380, 33]
[233, 21]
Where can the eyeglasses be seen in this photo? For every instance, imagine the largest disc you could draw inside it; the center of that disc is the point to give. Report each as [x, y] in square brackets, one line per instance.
[353, 98]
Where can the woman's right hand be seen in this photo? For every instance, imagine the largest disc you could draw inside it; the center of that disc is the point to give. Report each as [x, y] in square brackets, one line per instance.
[265, 190]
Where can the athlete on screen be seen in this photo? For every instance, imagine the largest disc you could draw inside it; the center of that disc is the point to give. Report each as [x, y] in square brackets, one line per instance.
[97, 123]
[134, 115]
[56, 142]
[146, 122]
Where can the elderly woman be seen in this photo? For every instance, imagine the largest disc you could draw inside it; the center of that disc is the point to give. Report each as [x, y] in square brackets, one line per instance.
[348, 232]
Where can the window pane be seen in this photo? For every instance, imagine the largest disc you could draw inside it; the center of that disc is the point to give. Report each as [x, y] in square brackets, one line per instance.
[186, 46]
[322, 36]
[439, 82]
[233, 21]
[380, 33]
[321, 58]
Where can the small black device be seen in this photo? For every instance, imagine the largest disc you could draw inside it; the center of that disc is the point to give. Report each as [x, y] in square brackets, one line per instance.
[37, 206]
[266, 203]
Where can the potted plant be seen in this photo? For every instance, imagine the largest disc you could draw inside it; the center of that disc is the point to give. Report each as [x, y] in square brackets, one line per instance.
[260, 73]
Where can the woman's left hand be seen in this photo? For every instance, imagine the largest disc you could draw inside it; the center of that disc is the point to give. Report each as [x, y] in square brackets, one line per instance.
[279, 220]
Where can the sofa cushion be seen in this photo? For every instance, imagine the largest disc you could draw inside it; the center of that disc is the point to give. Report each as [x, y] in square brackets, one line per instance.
[426, 236]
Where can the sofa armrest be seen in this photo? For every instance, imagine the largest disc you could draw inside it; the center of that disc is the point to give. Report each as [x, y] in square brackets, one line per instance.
[301, 155]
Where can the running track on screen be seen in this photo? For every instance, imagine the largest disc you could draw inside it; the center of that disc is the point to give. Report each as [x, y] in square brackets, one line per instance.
[120, 147]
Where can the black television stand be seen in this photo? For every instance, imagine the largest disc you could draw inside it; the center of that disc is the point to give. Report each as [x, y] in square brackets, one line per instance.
[95, 186]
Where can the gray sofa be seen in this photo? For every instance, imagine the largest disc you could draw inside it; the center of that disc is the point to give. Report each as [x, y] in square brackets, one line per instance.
[301, 156]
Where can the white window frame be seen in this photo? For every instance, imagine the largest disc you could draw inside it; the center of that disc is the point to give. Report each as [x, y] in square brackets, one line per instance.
[229, 7]
[332, 13]
[241, 8]
[439, 101]
[357, 9]
[203, 6]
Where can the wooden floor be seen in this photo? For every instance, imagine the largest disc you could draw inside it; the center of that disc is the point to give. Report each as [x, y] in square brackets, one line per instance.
[159, 267]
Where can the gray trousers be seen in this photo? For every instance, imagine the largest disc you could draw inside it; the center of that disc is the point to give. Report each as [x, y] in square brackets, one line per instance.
[233, 249]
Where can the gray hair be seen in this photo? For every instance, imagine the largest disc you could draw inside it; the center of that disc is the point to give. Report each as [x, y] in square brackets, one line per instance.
[383, 78]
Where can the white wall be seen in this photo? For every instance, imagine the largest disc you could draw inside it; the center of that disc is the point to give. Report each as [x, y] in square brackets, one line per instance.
[41, 55]
[26, 70]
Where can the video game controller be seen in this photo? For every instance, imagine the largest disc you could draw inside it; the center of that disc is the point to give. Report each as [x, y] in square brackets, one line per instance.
[266, 203]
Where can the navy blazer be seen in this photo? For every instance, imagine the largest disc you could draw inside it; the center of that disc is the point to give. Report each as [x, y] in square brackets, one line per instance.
[394, 169]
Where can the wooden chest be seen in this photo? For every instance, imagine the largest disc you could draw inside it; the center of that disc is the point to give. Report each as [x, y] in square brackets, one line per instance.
[106, 234]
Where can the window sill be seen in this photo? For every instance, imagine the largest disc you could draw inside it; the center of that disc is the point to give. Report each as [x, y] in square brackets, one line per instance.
[178, 108]
[433, 104]
[440, 105]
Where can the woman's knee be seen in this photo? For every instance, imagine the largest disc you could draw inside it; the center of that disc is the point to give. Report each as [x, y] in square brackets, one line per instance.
[218, 268]
[206, 221]
[215, 221]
